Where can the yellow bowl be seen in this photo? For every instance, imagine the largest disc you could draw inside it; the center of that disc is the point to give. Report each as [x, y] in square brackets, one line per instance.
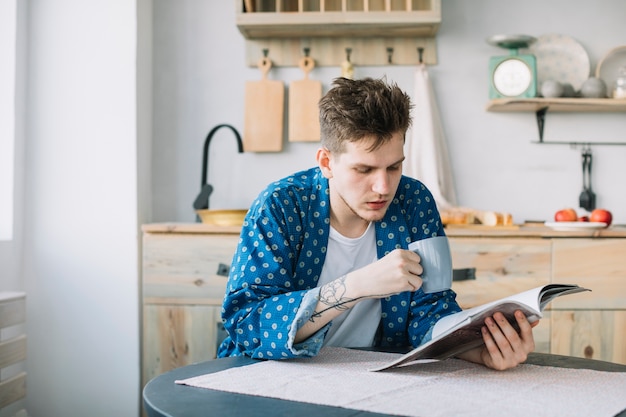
[222, 217]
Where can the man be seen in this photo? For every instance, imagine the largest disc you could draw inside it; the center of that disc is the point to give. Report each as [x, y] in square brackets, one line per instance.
[323, 259]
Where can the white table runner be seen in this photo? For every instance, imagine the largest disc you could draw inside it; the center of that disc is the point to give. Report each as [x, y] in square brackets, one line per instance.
[339, 377]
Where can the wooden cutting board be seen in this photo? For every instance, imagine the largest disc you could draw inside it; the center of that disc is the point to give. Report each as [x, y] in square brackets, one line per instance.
[304, 96]
[263, 113]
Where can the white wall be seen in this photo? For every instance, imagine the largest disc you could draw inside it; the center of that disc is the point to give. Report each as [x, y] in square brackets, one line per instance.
[83, 157]
[83, 172]
[199, 82]
[11, 142]
[8, 40]
[12, 24]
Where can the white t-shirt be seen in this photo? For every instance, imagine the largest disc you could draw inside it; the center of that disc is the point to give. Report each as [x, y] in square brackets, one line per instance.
[357, 326]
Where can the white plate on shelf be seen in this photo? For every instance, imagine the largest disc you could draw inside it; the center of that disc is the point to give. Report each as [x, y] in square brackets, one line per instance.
[575, 226]
[609, 66]
[560, 58]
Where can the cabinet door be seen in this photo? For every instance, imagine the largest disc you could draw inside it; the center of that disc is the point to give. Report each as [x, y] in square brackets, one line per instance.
[176, 335]
[598, 264]
[186, 268]
[504, 266]
[591, 324]
[592, 334]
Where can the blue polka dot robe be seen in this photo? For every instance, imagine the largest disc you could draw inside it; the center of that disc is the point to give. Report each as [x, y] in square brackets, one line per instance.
[272, 287]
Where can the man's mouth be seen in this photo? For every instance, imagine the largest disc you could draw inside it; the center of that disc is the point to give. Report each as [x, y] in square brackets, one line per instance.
[376, 205]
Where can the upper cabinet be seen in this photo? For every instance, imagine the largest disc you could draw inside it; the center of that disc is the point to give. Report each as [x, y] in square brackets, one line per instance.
[366, 32]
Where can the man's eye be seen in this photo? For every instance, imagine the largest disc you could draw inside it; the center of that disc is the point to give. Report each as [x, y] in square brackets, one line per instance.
[394, 168]
[363, 170]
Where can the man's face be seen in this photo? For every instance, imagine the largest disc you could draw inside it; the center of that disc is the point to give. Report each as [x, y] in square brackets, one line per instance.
[363, 182]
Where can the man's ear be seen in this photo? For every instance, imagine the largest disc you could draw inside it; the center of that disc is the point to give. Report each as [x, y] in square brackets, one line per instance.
[323, 161]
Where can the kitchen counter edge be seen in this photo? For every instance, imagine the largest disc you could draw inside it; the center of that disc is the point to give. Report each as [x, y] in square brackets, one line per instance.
[452, 231]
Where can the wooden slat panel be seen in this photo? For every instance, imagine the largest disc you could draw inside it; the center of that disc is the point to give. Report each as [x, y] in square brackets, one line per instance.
[185, 266]
[12, 308]
[597, 264]
[503, 267]
[12, 389]
[176, 336]
[331, 50]
[597, 334]
[541, 333]
[12, 351]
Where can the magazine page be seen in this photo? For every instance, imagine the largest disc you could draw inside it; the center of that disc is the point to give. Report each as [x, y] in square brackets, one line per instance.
[550, 292]
[528, 298]
[461, 331]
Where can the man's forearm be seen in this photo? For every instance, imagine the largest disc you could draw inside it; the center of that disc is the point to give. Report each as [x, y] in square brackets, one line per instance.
[333, 300]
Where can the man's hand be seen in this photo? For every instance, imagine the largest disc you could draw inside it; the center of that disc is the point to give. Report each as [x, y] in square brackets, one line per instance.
[504, 347]
[398, 271]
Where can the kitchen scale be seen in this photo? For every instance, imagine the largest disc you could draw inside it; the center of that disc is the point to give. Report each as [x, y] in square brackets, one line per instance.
[513, 75]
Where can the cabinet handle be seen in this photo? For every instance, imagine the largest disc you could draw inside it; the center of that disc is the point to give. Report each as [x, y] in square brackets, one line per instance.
[223, 269]
[463, 274]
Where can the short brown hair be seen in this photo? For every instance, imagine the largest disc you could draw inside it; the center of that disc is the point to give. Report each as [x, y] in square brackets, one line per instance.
[354, 109]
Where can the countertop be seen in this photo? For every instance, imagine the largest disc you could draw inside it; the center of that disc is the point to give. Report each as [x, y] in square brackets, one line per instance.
[615, 231]
[191, 228]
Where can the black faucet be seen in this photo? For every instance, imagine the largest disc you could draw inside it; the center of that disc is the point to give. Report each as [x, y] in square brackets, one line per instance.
[202, 201]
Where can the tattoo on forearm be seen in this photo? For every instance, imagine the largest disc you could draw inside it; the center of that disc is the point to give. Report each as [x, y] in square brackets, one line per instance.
[333, 295]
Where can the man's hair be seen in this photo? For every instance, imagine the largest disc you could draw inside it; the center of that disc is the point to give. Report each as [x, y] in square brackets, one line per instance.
[366, 108]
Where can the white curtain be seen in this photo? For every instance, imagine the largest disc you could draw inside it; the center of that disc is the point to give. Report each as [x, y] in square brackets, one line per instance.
[427, 156]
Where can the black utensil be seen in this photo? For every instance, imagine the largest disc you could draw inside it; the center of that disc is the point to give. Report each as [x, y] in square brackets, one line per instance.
[592, 204]
[587, 199]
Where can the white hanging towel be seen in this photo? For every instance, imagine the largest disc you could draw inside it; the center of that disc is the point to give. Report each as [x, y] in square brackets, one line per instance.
[427, 156]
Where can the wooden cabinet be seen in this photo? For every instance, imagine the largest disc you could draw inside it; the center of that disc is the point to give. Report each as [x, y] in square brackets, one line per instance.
[594, 325]
[591, 324]
[185, 269]
[503, 267]
[12, 351]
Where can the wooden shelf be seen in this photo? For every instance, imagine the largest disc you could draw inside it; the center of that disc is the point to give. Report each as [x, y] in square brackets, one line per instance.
[597, 105]
[541, 106]
[332, 24]
[378, 32]
[326, 18]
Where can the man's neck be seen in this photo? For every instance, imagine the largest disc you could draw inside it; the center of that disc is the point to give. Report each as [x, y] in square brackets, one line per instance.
[346, 222]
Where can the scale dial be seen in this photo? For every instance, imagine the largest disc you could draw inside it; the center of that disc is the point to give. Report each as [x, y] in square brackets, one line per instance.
[512, 77]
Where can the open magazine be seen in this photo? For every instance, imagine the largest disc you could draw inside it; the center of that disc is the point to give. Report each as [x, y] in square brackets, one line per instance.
[460, 332]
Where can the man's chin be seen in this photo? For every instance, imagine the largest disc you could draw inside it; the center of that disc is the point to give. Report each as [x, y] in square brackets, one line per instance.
[371, 216]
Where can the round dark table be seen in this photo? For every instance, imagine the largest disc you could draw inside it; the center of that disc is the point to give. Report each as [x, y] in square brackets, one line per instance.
[164, 398]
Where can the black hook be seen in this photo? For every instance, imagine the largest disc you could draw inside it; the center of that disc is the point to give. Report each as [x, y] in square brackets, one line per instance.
[306, 52]
[348, 53]
[420, 52]
[265, 52]
[389, 54]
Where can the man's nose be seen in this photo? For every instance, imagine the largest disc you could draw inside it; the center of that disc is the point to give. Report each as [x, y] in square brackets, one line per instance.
[381, 183]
